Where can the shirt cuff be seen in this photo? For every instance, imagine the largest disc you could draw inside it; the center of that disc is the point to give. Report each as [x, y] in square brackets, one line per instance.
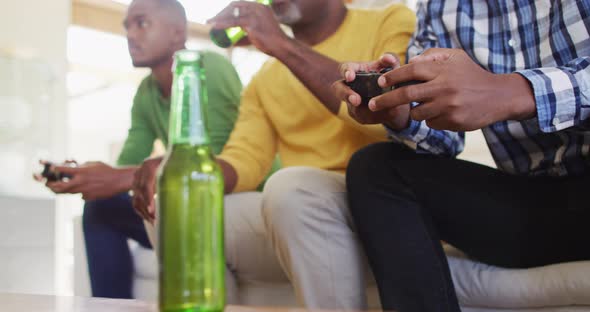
[409, 136]
[555, 99]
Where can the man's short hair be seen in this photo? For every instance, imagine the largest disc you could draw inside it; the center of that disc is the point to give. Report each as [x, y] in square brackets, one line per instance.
[175, 7]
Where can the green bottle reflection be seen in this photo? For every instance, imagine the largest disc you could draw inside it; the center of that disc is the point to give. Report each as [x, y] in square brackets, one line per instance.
[225, 38]
[190, 201]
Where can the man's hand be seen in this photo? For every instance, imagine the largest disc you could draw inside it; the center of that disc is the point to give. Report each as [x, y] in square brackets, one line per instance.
[144, 188]
[457, 94]
[257, 20]
[94, 180]
[396, 118]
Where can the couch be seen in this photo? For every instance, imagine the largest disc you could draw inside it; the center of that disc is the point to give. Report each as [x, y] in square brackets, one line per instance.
[480, 287]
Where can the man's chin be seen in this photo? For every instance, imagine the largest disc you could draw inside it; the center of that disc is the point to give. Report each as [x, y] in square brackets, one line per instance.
[140, 63]
[290, 22]
[290, 18]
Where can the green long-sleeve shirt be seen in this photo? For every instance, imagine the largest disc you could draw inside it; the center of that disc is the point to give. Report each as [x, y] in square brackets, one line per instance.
[150, 111]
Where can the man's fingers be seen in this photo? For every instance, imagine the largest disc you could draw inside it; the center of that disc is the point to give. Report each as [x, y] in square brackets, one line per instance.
[137, 204]
[145, 199]
[418, 71]
[140, 206]
[73, 171]
[351, 110]
[339, 88]
[138, 196]
[425, 111]
[348, 70]
[60, 187]
[70, 186]
[345, 93]
[245, 41]
[354, 99]
[71, 162]
[389, 60]
[152, 209]
[432, 55]
[401, 96]
[144, 188]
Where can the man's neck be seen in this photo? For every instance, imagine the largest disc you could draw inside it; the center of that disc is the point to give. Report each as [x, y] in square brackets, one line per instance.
[163, 75]
[322, 27]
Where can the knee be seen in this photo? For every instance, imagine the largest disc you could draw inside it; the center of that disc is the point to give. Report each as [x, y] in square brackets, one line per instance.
[96, 211]
[92, 210]
[289, 199]
[374, 159]
[375, 169]
[242, 223]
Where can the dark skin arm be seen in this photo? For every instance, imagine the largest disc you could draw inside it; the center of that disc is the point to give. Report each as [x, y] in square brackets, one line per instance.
[396, 118]
[315, 71]
[94, 180]
[144, 185]
[457, 95]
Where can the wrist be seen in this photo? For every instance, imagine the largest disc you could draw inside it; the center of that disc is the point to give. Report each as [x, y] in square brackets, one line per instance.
[284, 49]
[519, 99]
[397, 126]
[124, 178]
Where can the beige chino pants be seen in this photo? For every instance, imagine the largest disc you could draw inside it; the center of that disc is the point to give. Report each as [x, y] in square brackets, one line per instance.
[298, 230]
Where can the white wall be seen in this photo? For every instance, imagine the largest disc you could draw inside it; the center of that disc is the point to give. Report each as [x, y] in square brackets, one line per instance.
[33, 104]
[34, 33]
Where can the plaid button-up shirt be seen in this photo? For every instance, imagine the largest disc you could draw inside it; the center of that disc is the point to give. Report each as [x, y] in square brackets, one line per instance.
[548, 43]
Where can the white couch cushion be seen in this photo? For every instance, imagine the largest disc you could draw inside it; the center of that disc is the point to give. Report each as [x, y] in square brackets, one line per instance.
[481, 285]
[478, 285]
[144, 261]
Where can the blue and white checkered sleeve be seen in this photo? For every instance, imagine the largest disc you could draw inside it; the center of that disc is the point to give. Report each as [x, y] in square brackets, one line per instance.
[424, 37]
[562, 94]
[418, 135]
[425, 140]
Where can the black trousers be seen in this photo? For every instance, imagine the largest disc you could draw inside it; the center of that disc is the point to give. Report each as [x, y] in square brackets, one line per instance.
[405, 203]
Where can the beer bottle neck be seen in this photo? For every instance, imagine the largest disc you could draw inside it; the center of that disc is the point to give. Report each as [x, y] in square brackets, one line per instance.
[188, 105]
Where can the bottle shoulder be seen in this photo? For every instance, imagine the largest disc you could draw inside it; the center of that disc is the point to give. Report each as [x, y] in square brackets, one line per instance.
[190, 159]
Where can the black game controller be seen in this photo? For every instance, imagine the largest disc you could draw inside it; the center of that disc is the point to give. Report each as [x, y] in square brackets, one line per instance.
[365, 84]
[53, 176]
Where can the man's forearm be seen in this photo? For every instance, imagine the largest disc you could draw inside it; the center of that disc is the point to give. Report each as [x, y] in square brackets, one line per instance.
[518, 89]
[315, 71]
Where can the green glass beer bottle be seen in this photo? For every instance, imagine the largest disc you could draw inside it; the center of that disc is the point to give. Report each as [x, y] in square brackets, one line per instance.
[227, 37]
[190, 201]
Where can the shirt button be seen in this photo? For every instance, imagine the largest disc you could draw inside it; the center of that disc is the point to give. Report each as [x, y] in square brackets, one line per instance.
[511, 42]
